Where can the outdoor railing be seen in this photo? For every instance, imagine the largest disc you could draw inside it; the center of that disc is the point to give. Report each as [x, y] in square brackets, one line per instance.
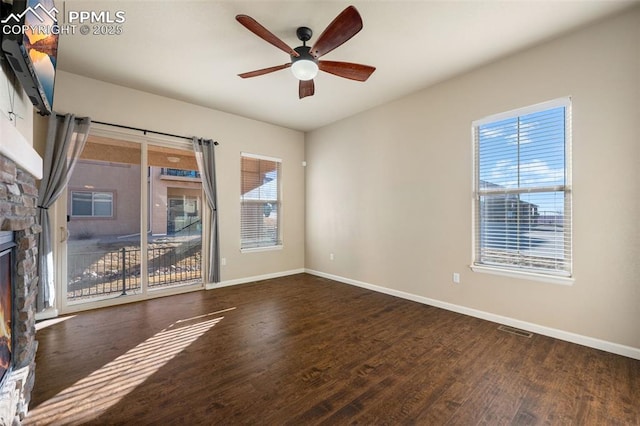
[180, 173]
[95, 274]
[185, 227]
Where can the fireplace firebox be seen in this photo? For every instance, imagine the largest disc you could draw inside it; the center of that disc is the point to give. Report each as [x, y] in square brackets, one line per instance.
[6, 302]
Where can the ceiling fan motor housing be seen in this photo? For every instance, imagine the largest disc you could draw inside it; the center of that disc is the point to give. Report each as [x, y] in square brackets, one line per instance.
[305, 54]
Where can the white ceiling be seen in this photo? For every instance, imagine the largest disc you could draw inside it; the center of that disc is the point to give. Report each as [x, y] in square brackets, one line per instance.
[193, 50]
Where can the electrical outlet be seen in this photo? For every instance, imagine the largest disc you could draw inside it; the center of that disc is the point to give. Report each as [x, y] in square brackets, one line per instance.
[456, 278]
[330, 256]
[223, 261]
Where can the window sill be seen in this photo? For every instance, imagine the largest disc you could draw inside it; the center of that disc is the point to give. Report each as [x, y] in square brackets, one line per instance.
[92, 217]
[256, 249]
[523, 275]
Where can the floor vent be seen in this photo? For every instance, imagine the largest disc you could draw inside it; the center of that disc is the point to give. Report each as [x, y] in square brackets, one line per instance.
[515, 331]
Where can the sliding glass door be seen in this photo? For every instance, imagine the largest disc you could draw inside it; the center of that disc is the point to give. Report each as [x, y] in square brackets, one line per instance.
[175, 221]
[104, 221]
[134, 223]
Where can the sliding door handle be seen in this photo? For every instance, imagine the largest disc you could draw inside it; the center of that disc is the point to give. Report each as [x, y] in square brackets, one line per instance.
[64, 234]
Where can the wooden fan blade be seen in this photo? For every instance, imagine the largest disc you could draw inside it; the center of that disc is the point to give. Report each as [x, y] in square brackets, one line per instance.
[306, 88]
[253, 26]
[348, 70]
[345, 26]
[264, 71]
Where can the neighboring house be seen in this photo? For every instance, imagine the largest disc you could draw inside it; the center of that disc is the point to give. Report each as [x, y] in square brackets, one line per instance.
[507, 207]
[102, 201]
[176, 197]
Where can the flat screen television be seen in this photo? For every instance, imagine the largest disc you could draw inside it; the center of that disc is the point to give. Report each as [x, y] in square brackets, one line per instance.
[30, 45]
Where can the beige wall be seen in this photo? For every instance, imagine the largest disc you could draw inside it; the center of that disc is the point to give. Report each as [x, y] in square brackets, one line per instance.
[115, 104]
[14, 99]
[389, 191]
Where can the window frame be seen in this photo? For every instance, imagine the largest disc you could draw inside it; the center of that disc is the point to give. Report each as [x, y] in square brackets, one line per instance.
[93, 202]
[564, 276]
[278, 245]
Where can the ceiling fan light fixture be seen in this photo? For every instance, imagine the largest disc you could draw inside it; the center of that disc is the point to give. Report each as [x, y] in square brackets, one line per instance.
[304, 69]
[304, 66]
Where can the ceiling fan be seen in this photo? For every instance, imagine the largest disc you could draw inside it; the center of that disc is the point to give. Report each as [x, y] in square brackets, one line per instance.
[304, 59]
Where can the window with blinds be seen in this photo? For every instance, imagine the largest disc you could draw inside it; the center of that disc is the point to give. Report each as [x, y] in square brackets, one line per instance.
[260, 204]
[522, 190]
[91, 204]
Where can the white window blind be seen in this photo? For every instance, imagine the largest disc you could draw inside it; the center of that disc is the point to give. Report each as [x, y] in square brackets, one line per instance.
[260, 201]
[522, 215]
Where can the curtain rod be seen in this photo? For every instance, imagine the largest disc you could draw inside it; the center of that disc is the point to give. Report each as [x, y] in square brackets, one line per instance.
[145, 131]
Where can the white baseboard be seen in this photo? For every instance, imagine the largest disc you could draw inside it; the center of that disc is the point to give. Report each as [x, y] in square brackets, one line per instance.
[591, 342]
[211, 286]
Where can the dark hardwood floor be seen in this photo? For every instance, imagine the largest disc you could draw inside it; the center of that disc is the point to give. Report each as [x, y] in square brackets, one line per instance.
[306, 350]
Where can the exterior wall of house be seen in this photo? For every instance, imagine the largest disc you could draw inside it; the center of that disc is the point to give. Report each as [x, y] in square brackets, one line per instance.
[122, 180]
[389, 191]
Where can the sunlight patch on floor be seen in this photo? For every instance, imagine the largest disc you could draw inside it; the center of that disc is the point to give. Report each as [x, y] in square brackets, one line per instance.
[93, 395]
[53, 321]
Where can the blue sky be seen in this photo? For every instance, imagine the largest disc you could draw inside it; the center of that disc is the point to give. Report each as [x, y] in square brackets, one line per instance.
[526, 152]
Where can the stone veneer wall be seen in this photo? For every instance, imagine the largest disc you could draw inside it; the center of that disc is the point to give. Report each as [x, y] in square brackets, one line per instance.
[18, 209]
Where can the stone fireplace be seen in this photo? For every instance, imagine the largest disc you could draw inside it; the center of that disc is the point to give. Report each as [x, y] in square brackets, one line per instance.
[18, 209]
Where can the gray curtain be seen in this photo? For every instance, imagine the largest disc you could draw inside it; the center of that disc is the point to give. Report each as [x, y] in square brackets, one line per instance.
[66, 137]
[206, 159]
